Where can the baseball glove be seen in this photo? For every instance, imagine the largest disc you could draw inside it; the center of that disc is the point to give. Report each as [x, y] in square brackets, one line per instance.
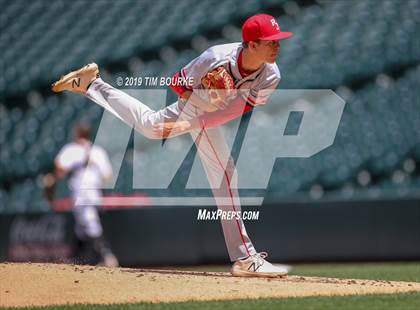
[220, 85]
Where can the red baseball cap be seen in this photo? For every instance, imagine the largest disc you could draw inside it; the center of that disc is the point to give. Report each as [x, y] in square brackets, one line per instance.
[263, 27]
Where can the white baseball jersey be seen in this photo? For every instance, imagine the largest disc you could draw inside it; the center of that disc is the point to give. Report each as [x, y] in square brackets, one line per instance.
[85, 178]
[254, 88]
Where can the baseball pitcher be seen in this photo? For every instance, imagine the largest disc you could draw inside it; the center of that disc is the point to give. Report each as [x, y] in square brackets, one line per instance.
[228, 80]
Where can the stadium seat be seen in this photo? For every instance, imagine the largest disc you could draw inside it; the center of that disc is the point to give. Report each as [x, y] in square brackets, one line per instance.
[334, 44]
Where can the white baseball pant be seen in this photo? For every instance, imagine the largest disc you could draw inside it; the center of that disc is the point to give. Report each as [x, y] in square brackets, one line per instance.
[88, 223]
[211, 145]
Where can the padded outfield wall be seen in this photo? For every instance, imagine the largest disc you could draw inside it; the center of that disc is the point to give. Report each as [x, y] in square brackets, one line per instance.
[292, 232]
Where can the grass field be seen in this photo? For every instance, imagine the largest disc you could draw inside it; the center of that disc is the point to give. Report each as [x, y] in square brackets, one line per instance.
[409, 271]
[396, 271]
[369, 302]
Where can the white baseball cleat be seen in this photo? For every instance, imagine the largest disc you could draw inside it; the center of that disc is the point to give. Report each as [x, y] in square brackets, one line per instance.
[109, 260]
[77, 81]
[256, 266]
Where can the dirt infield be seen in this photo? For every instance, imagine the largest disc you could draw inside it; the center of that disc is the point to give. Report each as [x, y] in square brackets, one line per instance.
[51, 284]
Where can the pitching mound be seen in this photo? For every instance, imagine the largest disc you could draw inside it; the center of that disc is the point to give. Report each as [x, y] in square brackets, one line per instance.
[51, 284]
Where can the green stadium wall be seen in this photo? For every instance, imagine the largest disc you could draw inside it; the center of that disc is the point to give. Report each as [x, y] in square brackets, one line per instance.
[290, 232]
